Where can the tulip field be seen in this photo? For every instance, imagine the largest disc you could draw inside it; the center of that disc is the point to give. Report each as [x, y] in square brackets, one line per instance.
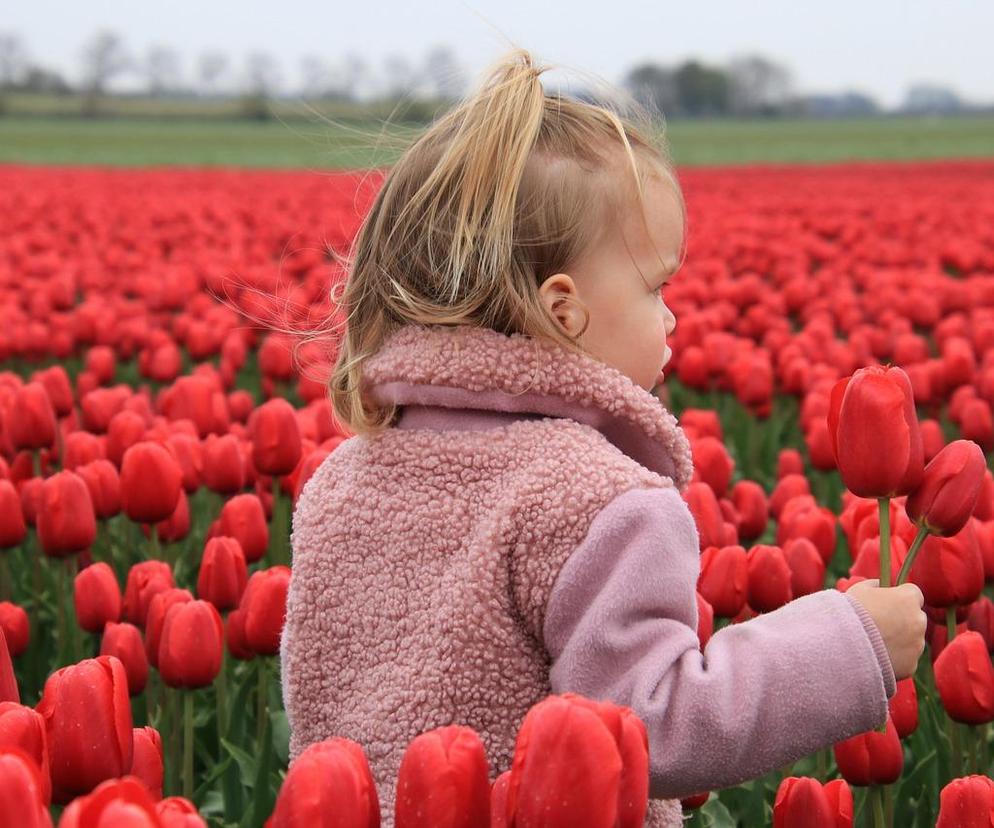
[833, 367]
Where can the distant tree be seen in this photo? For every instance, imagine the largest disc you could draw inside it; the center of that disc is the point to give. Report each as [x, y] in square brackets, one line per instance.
[757, 85]
[932, 99]
[162, 70]
[443, 74]
[356, 76]
[212, 66]
[846, 105]
[401, 78]
[262, 79]
[42, 79]
[13, 59]
[702, 90]
[315, 76]
[654, 87]
[104, 58]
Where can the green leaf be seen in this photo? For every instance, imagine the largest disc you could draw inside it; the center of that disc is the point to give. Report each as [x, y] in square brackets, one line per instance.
[281, 735]
[248, 765]
[715, 815]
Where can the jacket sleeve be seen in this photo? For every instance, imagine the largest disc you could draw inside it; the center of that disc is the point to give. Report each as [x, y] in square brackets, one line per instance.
[621, 624]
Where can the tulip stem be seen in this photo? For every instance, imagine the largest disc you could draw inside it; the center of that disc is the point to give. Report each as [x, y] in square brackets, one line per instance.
[912, 552]
[884, 506]
[889, 805]
[950, 624]
[188, 744]
[876, 800]
[220, 689]
[261, 700]
[6, 590]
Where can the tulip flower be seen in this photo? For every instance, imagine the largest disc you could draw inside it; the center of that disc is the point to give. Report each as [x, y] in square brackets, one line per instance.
[801, 800]
[66, 521]
[264, 604]
[97, 597]
[949, 571]
[56, 383]
[981, 619]
[16, 628]
[713, 463]
[224, 467]
[148, 759]
[191, 644]
[703, 505]
[276, 446]
[807, 569]
[124, 641]
[498, 800]
[158, 607]
[443, 780]
[124, 430]
[104, 483]
[22, 801]
[123, 801]
[145, 580]
[223, 573]
[88, 725]
[179, 812]
[871, 758]
[31, 421]
[24, 729]
[769, 578]
[151, 480]
[787, 488]
[9, 691]
[964, 678]
[751, 503]
[946, 497]
[578, 761]
[244, 519]
[724, 579]
[12, 525]
[967, 802]
[80, 448]
[874, 432]
[234, 636]
[903, 706]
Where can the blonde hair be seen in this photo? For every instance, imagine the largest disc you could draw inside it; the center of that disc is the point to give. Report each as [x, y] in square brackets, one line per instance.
[507, 188]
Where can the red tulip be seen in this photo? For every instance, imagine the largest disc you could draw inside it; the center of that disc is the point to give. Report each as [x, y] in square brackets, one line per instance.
[579, 762]
[244, 519]
[948, 492]
[104, 483]
[903, 707]
[788, 487]
[66, 521]
[31, 419]
[224, 467]
[789, 461]
[326, 782]
[705, 620]
[191, 645]
[223, 573]
[276, 445]
[964, 678]
[57, 386]
[12, 525]
[145, 580]
[234, 636]
[801, 800]
[703, 505]
[264, 604]
[949, 571]
[151, 480]
[148, 759]
[124, 430]
[124, 801]
[807, 569]
[155, 620]
[9, 691]
[980, 619]
[967, 802]
[977, 424]
[769, 578]
[443, 780]
[17, 630]
[22, 801]
[189, 453]
[80, 448]
[871, 758]
[88, 724]
[498, 800]
[176, 812]
[751, 504]
[874, 432]
[713, 463]
[724, 579]
[97, 597]
[23, 728]
[124, 641]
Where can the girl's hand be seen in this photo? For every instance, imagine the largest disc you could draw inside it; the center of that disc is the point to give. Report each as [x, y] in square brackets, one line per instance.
[898, 614]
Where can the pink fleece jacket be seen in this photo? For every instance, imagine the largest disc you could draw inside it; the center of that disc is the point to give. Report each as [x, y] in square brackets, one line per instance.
[520, 532]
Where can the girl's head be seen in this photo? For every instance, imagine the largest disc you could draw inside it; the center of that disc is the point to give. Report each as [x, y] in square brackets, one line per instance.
[525, 213]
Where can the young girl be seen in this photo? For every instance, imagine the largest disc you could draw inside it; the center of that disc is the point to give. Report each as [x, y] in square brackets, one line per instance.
[507, 522]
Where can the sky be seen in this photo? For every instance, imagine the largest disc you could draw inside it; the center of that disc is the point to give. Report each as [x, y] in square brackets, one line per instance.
[879, 47]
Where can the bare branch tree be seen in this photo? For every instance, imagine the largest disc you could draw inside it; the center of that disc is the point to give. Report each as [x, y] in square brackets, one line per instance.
[758, 84]
[444, 75]
[400, 75]
[262, 74]
[315, 76]
[104, 57]
[13, 59]
[211, 68]
[162, 70]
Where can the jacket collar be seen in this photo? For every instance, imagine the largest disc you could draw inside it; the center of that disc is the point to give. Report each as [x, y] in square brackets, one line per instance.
[472, 368]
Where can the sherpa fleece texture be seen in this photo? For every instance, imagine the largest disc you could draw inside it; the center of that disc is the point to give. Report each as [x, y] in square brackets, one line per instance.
[519, 532]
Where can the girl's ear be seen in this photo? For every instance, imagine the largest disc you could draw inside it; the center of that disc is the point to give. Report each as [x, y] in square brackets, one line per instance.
[562, 301]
